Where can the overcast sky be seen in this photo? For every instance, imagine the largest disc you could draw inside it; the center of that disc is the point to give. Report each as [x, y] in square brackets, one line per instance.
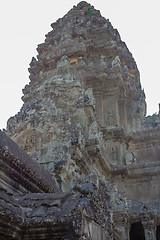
[24, 23]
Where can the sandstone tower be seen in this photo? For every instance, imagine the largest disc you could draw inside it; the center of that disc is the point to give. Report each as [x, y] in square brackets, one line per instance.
[84, 84]
[84, 117]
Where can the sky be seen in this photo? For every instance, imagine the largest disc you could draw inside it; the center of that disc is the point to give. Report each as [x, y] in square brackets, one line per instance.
[24, 24]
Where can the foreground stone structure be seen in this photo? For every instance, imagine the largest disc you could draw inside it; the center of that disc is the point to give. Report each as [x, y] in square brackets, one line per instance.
[84, 121]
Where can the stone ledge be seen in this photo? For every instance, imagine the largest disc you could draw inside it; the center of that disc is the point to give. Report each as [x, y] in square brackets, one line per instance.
[14, 159]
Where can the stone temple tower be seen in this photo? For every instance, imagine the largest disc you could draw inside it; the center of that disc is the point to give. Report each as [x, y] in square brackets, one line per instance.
[84, 80]
[84, 111]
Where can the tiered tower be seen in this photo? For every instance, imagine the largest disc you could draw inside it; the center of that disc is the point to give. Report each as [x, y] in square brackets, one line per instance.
[84, 111]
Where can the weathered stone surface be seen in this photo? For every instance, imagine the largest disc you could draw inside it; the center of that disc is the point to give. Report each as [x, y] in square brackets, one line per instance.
[84, 78]
[84, 120]
[85, 213]
[20, 172]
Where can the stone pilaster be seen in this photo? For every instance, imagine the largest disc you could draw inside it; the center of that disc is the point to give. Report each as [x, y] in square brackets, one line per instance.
[149, 229]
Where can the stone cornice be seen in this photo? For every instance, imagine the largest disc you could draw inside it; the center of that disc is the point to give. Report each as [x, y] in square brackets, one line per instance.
[115, 133]
[138, 211]
[146, 134]
[143, 170]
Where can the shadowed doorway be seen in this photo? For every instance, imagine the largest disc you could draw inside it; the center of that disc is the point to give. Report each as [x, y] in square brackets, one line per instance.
[137, 231]
[158, 233]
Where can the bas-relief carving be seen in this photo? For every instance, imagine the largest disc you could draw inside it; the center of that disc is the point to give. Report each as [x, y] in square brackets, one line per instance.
[114, 153]
[30, 139]
[149, 234]
[29, 142]
[110, 119]
[93, 131]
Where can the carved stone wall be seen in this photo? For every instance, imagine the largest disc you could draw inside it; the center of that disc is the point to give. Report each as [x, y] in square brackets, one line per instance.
[32, 206]
[84, 111]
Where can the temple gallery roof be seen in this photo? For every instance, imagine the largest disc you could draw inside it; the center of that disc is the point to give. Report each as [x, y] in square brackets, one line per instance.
[15, 162]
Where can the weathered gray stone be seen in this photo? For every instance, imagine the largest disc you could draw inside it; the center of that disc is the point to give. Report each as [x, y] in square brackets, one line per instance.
[84, 120]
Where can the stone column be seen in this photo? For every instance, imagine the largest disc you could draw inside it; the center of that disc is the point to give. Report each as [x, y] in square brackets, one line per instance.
[149, 229]
[121, 219]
